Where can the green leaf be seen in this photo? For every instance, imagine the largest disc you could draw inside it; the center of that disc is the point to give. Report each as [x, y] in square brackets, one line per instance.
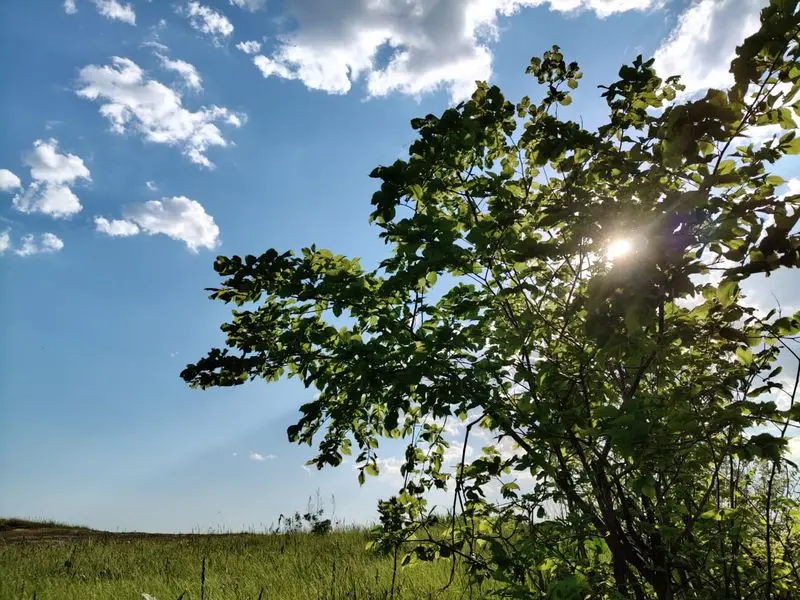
[765, 445]
[792, 147]
[775, 180]
[726, 292]
[734, 335]
[711, 515]
[649, 490]
[787, 325]
[745, 355]
[726, 167]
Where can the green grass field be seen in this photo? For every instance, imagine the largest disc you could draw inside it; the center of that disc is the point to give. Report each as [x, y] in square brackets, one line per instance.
[55, 562]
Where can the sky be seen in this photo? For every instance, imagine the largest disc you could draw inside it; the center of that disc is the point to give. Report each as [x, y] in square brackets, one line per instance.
[140, 139]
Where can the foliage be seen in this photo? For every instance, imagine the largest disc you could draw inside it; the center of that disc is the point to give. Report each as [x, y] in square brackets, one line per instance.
[312, 520]
[638, 407]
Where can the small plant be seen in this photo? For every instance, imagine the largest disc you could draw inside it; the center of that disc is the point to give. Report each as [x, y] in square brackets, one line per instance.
[321, 527]
[313, 520]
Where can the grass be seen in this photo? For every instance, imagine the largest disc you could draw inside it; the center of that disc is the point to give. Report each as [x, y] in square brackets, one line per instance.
[81, 564]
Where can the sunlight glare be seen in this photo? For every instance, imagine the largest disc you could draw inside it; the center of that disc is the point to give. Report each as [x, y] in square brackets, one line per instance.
[619, 248]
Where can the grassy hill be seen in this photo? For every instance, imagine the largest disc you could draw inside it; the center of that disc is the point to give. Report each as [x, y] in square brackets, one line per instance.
[52, 561]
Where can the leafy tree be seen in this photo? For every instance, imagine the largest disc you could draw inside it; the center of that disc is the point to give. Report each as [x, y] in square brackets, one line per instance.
[638, 401]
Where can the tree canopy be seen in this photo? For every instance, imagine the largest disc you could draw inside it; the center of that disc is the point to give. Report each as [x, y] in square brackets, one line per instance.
[578, 294]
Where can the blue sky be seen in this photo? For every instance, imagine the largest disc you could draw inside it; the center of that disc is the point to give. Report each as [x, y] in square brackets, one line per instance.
[143, 138]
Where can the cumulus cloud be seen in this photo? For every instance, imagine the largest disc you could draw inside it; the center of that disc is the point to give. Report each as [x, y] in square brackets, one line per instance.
[151, 185]
[389, 469]
[178, 218]
[430, 44]
[8, 181]
[5, 241]
[116, 227]
[130, 100]
[48, 165]
[52, 174]
[250, 5]
[703, 43]
[249, 47]
[261, 457]
[113, 9]
[48, 243]
[58, 201]
[208, 21]
[188, 72]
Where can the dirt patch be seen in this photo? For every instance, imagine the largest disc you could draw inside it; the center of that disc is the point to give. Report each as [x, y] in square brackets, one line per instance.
[18, 531]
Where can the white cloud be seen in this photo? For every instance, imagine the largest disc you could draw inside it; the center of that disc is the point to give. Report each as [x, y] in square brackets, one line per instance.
[58, 201]
[793, 453]
[433, 43]
[792, 187]
[5, 241]
[703, 43]
[452, 454]
[52, 174]
[48, 165]
[188, 72]
[8, 181]
[249, 47]
[179, 218]
[154, 43]
[151, 185]
[153, 109]
[248, 4]
[261, 457]
[116, 227]
[51, 242]
[48, 243]
[389, 469]
[113, 9]
[206, 20]
[760, 134]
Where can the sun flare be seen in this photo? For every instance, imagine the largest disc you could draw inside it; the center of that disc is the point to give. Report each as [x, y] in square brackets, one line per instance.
[619, 248]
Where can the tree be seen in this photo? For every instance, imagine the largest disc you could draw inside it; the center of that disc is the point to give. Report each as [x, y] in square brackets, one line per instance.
[639, 398]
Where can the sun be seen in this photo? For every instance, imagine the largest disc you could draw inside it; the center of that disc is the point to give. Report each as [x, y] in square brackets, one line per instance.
[619, 248]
